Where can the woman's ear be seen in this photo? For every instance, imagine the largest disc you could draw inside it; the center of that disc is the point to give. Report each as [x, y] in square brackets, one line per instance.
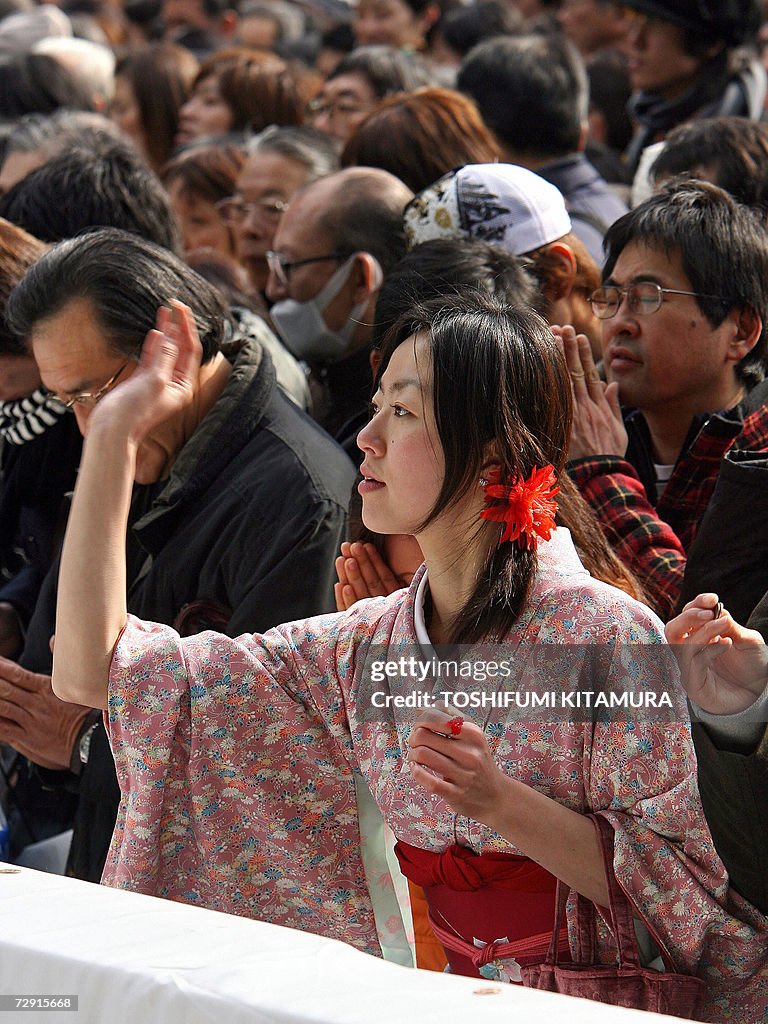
[491, 459]
[559, 271]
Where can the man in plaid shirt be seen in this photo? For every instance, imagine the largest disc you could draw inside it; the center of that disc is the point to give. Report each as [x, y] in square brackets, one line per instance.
[684, 302]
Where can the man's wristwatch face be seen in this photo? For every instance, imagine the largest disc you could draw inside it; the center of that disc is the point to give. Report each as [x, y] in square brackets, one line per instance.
[85, 743]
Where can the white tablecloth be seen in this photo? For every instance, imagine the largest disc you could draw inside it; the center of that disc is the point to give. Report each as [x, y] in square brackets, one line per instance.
[142, 960]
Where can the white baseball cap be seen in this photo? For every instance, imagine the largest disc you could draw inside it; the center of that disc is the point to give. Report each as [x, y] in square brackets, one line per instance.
[503, 204]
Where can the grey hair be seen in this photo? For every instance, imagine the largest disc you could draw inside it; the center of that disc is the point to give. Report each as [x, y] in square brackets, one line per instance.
[316, 150]
[93, 64]
[52, 133]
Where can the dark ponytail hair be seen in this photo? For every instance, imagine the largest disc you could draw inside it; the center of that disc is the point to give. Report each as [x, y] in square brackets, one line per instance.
[501, 390]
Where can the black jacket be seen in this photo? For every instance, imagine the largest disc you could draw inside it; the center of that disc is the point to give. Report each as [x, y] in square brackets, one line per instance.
[247, 527]
[252, 515]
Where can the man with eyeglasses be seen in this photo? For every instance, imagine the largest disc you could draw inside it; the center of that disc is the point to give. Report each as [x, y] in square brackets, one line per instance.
[239, 503]
[333, 247]
[683, 308]
[280, 162]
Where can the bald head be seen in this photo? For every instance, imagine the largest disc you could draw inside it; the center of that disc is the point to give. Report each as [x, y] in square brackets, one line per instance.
[359, 209]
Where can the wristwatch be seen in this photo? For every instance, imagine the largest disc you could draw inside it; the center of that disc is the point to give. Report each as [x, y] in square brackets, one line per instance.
[84, 746]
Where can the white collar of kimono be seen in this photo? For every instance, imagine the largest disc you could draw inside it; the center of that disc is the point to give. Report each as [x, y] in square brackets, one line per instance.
[556, 553]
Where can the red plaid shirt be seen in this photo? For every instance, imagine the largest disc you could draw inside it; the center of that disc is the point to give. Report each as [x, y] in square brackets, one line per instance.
[643, 536]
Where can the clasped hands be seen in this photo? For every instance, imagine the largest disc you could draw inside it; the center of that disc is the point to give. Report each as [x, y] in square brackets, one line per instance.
[598, 427]
[362, 572]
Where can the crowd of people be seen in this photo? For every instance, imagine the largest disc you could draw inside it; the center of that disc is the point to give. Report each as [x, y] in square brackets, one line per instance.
[342, 338]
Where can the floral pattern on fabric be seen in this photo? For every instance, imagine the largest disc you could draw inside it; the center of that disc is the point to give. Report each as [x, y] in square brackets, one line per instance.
[236, 760]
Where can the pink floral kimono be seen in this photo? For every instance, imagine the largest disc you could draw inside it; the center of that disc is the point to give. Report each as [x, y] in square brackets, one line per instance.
[247, 768]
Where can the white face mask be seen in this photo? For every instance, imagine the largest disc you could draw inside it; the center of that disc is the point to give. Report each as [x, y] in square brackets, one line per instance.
[303, 329]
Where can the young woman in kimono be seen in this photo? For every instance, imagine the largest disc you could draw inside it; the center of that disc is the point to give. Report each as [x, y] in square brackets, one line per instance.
[255, 772]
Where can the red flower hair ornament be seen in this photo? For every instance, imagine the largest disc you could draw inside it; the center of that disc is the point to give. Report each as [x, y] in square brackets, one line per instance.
[526, 507]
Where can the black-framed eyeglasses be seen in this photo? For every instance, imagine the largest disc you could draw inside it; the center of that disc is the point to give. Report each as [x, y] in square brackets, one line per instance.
[89, 398]
[234, 210]
[643, 298]
[281, 267]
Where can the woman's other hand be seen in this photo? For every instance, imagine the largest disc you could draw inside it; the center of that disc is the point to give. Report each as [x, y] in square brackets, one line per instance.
[451, 758]
[724, 665]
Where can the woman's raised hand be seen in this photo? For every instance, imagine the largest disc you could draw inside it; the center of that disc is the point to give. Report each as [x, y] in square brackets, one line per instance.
[163, 383]
[724, 666]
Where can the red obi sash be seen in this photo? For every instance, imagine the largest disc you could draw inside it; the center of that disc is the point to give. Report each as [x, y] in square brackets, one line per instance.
[486, 897]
